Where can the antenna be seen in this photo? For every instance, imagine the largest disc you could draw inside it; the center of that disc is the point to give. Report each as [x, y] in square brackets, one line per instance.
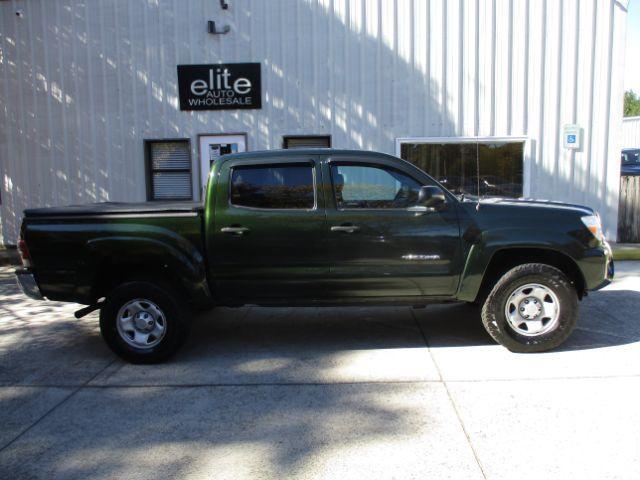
[478, 172]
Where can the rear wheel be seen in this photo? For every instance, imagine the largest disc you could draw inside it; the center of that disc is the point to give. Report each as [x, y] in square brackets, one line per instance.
[532, 308]
[143, 322]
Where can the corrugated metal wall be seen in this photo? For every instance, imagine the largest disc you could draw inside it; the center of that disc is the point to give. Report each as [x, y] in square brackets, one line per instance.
[84, 82]
[631, 132]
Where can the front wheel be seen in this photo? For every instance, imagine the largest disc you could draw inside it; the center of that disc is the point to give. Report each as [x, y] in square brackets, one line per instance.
[532, 308]
[143, 322]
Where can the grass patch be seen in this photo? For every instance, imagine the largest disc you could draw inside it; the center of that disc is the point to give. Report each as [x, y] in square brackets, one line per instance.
[626, 252]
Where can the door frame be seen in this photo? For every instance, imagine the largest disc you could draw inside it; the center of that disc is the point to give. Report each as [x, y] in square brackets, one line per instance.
[527, 150]
[226, 213]
[199, 157]
[333, 213]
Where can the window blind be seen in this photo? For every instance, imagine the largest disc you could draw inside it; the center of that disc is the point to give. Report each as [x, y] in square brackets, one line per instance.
[170, 170]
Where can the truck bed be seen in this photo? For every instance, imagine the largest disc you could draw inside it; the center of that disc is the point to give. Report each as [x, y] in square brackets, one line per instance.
[115, 208]
[75, 248]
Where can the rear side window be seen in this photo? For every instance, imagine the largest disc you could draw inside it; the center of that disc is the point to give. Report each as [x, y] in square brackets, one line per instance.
[273, 186]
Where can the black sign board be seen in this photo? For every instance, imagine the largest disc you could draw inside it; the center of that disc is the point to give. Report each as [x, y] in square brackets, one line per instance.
[222, 86]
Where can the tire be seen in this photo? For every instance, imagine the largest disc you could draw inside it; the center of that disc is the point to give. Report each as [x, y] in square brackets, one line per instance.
[143, 322]
[517, 294]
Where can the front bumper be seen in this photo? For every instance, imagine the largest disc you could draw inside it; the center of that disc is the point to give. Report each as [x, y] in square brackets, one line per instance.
[608, 267]
[28, 285]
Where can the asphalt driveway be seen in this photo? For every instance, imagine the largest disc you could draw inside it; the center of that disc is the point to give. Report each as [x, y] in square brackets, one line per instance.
[322, 393]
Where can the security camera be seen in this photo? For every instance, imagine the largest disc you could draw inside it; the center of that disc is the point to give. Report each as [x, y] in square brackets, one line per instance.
[19, 13]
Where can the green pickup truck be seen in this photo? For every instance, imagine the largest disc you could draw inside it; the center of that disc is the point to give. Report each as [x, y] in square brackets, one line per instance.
[315, 227]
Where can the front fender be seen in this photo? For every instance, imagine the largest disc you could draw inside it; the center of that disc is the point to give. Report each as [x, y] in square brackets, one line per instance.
[486, 244]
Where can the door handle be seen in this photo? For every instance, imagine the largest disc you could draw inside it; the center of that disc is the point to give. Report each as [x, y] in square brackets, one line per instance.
[234, 230]
[345, 228]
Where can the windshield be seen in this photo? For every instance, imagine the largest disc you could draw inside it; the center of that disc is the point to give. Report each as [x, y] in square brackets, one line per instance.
[631, 157]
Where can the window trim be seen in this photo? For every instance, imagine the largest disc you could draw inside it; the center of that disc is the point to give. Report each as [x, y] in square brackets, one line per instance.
[381, 166]
[527, 150]
[203, 190]
[309, 163]
[149, 170]
[286, 138]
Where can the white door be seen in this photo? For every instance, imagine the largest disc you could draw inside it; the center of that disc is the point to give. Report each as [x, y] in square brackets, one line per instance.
[214, 146]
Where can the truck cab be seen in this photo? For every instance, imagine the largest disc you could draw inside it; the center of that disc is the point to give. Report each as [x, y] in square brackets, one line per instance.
[335, 227]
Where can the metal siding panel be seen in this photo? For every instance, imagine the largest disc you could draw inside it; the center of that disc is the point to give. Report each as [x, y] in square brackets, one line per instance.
[486, 50]
[518, 59]
[451, 116]
[586, 69]
[566, 85]
[535, 107]
[502, 66]
[611, 158]
[601, 105]
[469, 69]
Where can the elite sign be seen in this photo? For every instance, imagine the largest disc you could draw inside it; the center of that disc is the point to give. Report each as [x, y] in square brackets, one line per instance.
[222, 86]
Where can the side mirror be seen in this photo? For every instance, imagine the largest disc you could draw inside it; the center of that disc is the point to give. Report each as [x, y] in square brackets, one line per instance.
[431, 197]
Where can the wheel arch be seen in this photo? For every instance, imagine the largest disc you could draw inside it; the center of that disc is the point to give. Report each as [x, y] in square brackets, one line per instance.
[504, 259]
[118, 260]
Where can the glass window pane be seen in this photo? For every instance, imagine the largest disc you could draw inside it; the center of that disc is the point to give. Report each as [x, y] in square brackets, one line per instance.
[630, 157]
[358, 186]
[289, 186]
[454, 165]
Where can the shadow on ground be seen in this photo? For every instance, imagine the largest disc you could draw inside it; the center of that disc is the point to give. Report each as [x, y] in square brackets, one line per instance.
[272, 392]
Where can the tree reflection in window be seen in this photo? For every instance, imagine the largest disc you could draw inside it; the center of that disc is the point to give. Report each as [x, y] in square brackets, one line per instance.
[454, 165]
[273, 186]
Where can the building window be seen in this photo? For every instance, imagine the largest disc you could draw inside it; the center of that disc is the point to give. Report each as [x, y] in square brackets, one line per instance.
[363, 186]
[306, 141]
[453, 163]
[273, 186]
[168, 170]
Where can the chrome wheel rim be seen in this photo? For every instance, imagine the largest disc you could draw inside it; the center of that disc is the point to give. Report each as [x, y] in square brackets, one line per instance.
[532, 310]
[141, 323]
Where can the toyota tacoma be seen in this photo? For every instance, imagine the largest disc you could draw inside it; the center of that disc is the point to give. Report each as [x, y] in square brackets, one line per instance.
[315, 227]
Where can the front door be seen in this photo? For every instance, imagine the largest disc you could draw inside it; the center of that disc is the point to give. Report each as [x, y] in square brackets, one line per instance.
[269, 240]
[378, 246]
[212, 147]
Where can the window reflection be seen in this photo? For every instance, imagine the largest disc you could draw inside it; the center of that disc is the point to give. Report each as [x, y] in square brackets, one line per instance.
[454, 165]
[358, 186]
[272, 186]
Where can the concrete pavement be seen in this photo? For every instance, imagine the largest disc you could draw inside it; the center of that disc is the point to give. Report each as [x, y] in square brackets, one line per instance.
[322, 393]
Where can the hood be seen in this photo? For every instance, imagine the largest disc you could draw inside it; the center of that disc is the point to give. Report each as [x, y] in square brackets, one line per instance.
[532, 203]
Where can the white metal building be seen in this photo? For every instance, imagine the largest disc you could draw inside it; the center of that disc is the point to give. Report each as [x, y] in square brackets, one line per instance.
[631, 132]
[90, 106]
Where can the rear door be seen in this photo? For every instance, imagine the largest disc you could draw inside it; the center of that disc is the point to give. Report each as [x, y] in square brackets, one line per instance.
[269, 240]
[378, 246]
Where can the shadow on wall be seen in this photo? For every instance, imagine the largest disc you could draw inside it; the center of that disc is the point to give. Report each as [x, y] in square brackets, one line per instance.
[94, 94]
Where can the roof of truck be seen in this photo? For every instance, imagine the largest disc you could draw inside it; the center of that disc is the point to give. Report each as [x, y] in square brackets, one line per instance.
[296, 152]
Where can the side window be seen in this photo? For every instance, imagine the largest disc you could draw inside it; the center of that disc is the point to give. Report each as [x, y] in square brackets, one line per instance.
[273, 186]
[366, 186]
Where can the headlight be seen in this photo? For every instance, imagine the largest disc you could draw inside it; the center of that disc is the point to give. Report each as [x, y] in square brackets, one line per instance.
[592, 222]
